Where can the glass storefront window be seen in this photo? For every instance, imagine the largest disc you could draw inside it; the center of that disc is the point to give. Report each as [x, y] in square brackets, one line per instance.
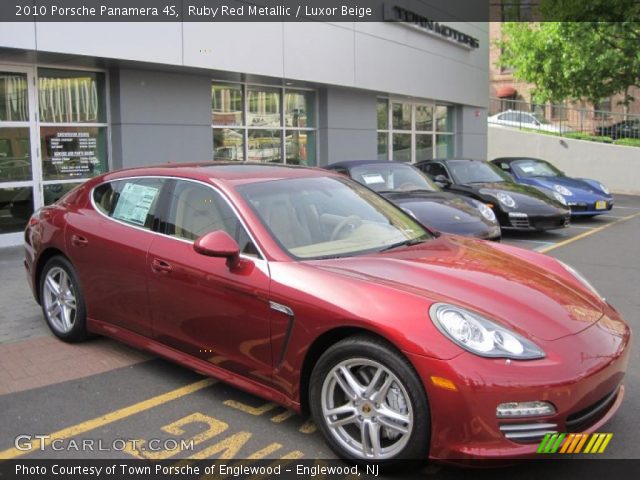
[444, 122]
[383, 114]
[401, 147]
[264, 124]
[16, 206]
[383, 146]
[264, 146]
[73, 152]
[14, 97]
[424, 118]
[444, 147]
[301, 147]
[263, 107]
[226, 104]
[299, 109]
[402, 116]
[424, 147]
[417, 130]
[228, 144]
[68, 96]
[15, 157]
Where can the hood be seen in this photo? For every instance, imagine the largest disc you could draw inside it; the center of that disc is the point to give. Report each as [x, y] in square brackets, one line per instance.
[570, 183]
[475, 275]
[525, 195]
[439, 209]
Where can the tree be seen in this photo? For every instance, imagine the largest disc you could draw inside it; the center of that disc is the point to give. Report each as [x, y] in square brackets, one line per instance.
[575, 60]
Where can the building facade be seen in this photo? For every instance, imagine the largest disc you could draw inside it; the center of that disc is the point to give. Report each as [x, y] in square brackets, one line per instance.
[79, 99]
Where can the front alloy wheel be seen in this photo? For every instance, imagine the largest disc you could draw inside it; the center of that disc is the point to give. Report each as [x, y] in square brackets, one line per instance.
[364, 409]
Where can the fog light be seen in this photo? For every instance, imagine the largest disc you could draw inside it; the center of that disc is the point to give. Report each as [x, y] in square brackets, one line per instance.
[524, 409]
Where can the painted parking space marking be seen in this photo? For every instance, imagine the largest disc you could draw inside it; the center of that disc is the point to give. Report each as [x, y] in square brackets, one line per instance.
[111, 417]
[588, 233]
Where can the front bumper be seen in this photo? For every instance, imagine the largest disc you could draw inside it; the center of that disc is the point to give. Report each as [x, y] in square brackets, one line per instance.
[590, 368]
[536, 222]
[589, 207]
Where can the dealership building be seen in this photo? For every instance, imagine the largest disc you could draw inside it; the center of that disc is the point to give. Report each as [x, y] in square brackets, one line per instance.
[79, 99]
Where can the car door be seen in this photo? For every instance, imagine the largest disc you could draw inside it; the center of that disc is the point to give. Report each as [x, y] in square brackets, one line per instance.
[198, 304]
[108, 246]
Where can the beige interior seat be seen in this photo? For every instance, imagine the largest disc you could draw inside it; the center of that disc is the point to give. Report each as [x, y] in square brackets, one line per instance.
[280, 215]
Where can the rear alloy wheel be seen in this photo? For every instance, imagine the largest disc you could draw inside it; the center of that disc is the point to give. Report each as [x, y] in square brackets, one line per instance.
[61, 299]
[369, 403]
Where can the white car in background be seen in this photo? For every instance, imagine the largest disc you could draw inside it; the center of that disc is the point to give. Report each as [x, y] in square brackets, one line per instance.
[514, 118]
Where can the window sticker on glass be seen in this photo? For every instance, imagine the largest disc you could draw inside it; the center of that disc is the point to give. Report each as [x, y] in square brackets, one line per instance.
[372, 178]
[134, 203]
[527, 168]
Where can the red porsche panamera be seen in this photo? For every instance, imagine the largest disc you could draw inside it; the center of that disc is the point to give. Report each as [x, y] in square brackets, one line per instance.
[306, 288]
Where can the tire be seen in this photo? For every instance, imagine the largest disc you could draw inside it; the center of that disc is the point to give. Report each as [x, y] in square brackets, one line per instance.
[62, 301]
[390, 404]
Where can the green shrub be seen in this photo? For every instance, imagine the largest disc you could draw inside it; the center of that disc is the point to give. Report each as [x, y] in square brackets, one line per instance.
[629, 142]
[586, 136]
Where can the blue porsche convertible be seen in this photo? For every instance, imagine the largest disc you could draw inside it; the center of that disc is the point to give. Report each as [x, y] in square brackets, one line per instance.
[586, 197]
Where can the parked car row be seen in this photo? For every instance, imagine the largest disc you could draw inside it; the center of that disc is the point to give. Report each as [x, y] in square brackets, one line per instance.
[477, 198]
[311, 290]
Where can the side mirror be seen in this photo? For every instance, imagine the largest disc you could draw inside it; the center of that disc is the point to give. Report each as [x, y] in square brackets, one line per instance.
[219, 244]
[442, 181]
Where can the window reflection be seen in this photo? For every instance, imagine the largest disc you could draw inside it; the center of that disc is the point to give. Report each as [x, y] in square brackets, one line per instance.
[226, 104]
[67, 96]
[15, 157]
[16, 206]
[228, 144]
[301, 147]
[14, 106]
[263, 107]
[402, 116]
[264, 146]
[299, 109]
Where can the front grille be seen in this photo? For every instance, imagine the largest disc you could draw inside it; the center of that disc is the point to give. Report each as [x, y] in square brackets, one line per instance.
[527, 432]
[582, 420]
[544, 224]
[519, 222]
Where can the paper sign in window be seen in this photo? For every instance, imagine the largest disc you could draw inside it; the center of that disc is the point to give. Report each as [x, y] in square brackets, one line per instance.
[134, 203]
[371, 179]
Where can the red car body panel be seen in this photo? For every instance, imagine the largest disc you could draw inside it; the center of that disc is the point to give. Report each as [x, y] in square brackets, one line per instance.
[217, 320]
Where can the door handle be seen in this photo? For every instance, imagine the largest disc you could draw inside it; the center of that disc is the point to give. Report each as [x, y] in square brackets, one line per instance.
[160, 266]
[79, 241]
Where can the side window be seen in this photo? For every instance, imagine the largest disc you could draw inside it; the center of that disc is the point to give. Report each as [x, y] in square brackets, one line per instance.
[435, 169]
[196, 209]
[131, 201]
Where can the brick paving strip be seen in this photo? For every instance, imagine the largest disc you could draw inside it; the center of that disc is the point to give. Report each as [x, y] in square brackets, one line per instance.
[30, 356]
[46, 360]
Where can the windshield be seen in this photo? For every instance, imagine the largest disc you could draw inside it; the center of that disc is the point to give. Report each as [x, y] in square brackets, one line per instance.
[535, 168]
[391, 177]
[475, 171]
[326, 217]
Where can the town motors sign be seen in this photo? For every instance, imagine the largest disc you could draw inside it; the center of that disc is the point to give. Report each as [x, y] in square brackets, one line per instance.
[396, 13]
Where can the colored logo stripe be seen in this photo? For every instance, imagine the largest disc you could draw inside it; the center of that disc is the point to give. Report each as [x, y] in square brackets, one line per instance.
[574, 443]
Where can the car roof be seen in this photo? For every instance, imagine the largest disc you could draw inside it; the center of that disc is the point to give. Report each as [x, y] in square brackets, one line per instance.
[445, 160]
[513, 159]
[356, 163]
[233, 172]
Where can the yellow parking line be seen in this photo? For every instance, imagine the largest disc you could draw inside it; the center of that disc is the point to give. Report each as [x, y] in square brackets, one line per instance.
[586, 234]
[114, 416]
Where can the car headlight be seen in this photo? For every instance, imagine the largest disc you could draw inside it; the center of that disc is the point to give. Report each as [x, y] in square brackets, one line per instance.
[559, 198]
[486, 212]
[506, 199]
[563, 190]
[480, 336]
[578, 276]
[604, 189]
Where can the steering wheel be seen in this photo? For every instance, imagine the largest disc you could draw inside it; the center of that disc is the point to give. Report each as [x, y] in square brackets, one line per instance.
[352, 221]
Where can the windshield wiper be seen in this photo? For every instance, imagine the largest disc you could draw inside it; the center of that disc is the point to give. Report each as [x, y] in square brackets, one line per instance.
[405, 243]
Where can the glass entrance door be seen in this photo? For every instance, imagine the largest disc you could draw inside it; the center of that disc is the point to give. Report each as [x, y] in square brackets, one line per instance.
[19, 168]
